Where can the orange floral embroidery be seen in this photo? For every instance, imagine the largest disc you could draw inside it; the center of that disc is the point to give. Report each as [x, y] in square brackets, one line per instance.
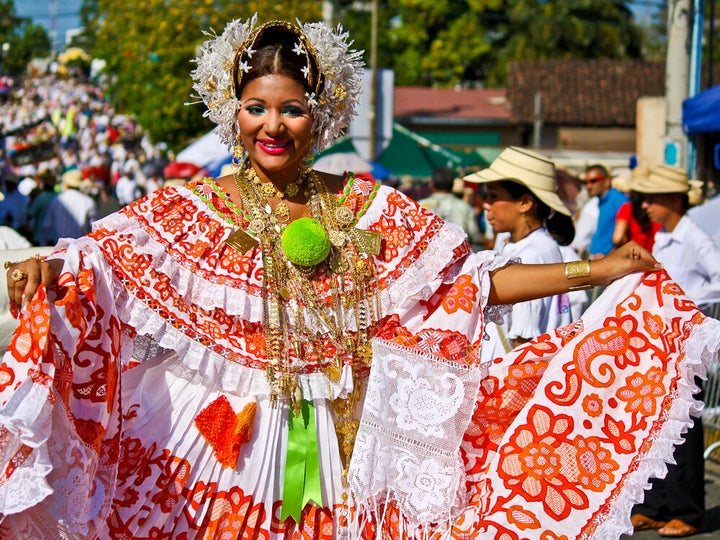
[643, 391]
[623, 440]
[532, 463]
[521, 518]
[594, 463]
[462, 295]
[592, 405]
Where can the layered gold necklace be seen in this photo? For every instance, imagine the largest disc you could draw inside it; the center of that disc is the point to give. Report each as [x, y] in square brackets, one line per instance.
[334, 299]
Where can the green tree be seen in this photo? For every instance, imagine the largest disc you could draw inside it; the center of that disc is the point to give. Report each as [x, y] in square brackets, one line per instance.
[148, 46]
[20, 39]
[461, 42]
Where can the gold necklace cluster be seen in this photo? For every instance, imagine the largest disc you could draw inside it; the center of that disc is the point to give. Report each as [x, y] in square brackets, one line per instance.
[322, 313]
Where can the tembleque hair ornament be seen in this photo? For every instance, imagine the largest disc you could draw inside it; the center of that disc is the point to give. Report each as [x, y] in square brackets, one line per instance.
[223, 61]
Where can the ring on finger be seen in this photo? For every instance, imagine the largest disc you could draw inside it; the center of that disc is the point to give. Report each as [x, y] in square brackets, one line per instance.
[18, 275]
[8, 264]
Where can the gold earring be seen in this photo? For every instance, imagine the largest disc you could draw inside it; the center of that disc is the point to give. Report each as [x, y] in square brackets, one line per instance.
[238, 150]
[308, 156]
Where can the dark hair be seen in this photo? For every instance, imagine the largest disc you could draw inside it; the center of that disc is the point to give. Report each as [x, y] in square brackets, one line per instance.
[274, 55]
[559, 226]
[599, 166]
[443, 178]
[638, 212]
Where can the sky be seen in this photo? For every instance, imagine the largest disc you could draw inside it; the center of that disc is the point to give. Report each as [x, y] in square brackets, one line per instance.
[66, 16]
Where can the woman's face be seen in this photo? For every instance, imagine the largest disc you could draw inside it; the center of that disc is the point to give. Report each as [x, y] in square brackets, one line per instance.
[658, 206]
[276, 125]
[502, 212]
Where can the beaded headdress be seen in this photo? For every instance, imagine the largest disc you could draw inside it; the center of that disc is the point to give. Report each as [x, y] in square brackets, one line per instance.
[222, 63]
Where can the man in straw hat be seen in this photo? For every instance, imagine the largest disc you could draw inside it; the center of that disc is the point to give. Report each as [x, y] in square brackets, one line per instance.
[70, 214]
[675, 504]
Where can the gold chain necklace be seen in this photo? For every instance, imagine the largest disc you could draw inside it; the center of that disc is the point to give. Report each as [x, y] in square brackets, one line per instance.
[269, 190]
[297, 308]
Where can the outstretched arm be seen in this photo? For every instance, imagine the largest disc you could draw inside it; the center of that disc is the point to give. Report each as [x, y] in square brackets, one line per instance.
[522, 282]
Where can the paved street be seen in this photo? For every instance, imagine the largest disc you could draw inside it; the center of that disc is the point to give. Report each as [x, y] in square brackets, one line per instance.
[711, 524]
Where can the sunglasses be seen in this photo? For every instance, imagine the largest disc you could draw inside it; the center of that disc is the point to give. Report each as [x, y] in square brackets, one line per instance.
[593, 181]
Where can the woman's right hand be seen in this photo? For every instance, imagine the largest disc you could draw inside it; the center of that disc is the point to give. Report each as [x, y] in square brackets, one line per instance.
[24, 277]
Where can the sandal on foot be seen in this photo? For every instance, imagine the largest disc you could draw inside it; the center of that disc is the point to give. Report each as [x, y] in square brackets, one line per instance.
[641, 522]
[676, 528]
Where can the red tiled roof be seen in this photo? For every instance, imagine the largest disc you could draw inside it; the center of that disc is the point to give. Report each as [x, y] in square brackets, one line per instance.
[583, 92]
[484, 104]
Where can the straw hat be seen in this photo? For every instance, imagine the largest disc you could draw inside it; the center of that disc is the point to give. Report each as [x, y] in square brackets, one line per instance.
[72, 178]
[532, 170]
[662, 179]
[227, 169]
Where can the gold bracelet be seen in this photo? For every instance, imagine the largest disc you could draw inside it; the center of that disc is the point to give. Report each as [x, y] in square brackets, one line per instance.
[576, 269]
[580, 287]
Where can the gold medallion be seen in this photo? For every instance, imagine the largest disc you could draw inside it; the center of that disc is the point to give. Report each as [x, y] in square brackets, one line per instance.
[282, 211]
[338, 264]
[362, 267]
[268, 189]
[337, 238]
[256, 226]
[241, 241]
[344, 215]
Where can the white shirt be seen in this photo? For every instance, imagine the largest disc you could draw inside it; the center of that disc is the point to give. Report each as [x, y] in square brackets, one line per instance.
[70, 215]
[585, 225]
[536, 317]
[692, 259]
[11, 239]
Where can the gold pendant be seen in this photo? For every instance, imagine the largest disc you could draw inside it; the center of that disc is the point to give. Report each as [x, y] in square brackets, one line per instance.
[292, 189]
[334, 371]
[241, 241]
[367, 241]
[282, 211]
[338, 264]
[268, 189]
[337, 238]
[256, 226]
[344, 215]
[362, 267]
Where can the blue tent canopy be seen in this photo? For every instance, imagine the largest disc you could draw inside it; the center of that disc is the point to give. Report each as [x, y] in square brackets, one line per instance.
[701, 113]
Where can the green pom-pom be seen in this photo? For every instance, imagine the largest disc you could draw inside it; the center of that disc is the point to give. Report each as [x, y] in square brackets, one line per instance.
[305, 242]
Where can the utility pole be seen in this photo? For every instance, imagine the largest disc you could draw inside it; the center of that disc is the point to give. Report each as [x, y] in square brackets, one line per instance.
[677, 78]
[373, 79]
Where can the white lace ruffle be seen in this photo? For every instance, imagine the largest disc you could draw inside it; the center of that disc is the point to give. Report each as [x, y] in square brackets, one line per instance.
[701, 349]
[25, 422]
[417, 409]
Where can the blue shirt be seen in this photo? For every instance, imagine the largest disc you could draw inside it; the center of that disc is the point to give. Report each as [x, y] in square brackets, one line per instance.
[608, 206]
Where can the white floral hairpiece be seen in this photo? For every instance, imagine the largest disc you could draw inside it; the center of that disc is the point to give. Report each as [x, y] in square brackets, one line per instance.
[334, 107]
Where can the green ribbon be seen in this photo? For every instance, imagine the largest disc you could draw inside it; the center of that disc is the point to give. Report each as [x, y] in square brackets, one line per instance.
[302, 467]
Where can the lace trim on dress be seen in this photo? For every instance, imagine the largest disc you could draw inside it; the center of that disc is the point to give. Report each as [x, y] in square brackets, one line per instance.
[417, 408]
[701, 349]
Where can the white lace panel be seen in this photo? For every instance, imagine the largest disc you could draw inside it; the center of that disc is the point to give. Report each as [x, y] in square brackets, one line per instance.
[407, 448]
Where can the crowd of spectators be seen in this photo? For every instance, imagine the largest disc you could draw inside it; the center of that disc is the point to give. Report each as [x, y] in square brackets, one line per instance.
[68, 158]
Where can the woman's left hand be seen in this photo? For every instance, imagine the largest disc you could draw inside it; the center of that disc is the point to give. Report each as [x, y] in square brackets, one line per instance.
[626, 259]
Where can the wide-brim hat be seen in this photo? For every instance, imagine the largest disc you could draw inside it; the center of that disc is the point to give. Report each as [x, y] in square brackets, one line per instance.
[72, 178]
[523, 166]
[662, 179]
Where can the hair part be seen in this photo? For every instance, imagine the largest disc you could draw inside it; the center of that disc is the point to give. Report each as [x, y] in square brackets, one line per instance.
[274, 53]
